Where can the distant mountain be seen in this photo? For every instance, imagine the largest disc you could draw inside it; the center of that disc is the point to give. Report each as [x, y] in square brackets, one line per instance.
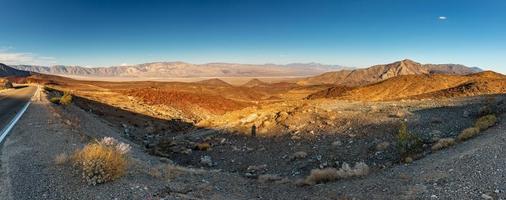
[9, 71]
[377, 73]
[182, 69]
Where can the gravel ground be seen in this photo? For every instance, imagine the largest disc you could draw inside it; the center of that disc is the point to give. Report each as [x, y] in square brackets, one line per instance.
[470, 170]
[28, 170]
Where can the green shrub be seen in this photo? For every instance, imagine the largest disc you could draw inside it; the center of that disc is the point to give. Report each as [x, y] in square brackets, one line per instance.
[485, 122]
[407, 143]
[55, 100]
[468, 133]
[66, 99]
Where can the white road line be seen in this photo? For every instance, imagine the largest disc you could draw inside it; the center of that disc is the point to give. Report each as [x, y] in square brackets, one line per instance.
[11, 124]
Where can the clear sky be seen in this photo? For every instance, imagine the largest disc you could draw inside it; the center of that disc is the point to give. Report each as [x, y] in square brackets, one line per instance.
[352, 33]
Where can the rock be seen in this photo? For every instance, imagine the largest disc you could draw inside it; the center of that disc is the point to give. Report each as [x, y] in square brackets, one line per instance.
[337, 143]
[436, 120]
[382, 146]
[249, 118]
[298, 155]
[408, 160]
[435, 135]
[166, 160]
[485, 196]
[254, 169]
[206, 160]
[466, 114]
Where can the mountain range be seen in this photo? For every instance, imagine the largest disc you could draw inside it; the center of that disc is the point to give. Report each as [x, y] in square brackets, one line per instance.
[182, 69]
[377, 73]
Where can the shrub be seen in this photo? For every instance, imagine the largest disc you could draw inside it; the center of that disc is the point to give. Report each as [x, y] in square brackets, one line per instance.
[66, 99]
[485, 122]
[333, 174]
[61, 159]
[55, 100]
[443, 143]
[203, 146]
[407, 143]
[102, 161]
[468, 133]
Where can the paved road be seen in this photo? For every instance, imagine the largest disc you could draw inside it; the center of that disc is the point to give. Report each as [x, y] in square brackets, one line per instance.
[12, 101]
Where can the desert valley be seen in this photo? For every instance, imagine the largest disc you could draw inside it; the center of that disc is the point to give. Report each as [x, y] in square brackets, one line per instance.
[284, 138]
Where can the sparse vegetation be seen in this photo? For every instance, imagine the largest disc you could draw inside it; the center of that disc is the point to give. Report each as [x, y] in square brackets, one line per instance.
[443, 143]
[468, 133]
[485, 122]
[203, 146]
[66, 99]
[61, 159]
[55, 100]
[333, 174]
[102, 161]
[407, 143]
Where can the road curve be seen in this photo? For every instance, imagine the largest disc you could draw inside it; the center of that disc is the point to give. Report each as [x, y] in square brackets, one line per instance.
[12, 102]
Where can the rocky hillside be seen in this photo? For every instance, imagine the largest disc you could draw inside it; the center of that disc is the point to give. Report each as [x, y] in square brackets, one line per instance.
[422, 86]
[377, 73]
[9, 71]
[181, 69]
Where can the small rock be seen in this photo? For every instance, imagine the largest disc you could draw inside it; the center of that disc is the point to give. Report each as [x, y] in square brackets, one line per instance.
[466, 114]
[298, 155]
[408, 160]
[485, 196]
[382, 146]
[166, 160]
[206, 160]
[337, 143]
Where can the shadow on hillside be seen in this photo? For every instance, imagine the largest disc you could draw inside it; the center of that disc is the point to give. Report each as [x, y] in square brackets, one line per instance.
[179, 140]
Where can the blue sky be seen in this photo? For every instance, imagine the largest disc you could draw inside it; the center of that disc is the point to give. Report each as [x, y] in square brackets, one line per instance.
[352, 33]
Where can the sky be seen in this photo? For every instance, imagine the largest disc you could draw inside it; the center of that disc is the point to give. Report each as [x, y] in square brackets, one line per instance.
[356, 33]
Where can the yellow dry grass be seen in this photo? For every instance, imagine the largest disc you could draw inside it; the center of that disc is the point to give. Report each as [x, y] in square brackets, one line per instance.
[468, 133]
[100, 163]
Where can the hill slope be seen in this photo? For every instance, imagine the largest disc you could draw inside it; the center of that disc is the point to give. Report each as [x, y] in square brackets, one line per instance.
[9, 71]
[423, 86]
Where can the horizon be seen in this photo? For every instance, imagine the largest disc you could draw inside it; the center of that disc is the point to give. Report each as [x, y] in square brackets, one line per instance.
[115, 33]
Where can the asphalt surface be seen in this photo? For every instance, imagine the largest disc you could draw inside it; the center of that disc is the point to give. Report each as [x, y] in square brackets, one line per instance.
[12, 101]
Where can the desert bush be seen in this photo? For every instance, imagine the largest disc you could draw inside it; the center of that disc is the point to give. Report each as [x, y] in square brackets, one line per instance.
[102, 161]
[485, 122]
[66, 99]
[443, 143]
[407, 143]
[55, 100]
[61, 159]
[333, 174]
[468, 133]
[203, 146]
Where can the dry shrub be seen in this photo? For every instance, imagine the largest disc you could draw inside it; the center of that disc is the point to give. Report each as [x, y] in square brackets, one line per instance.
[102, 161]
[264, 178]
[333, 174]
[443, 143]
[61, 159]
[55, 100]
[155, 172]
[468, 133]
[485, 122]
[66, 99]
[203, 146]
